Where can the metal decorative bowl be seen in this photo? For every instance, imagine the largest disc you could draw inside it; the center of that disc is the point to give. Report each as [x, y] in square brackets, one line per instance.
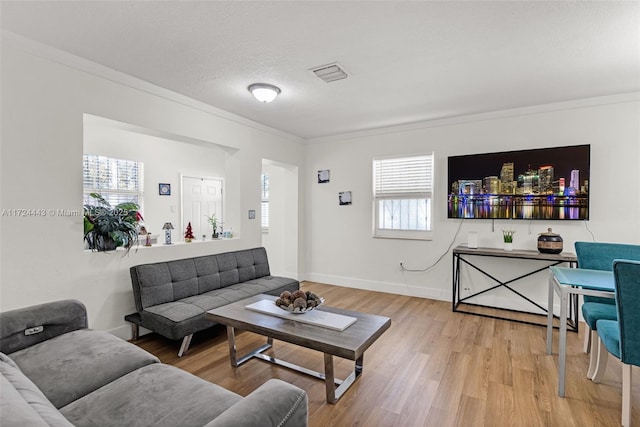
[293, 310]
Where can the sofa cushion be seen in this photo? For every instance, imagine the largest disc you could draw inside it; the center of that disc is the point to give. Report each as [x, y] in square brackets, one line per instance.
[151, 284]
[208, 301]
[261, 262]
[228, 265]
[72, 365]
[246, 267]
[21, 403]
[272, 285]
[208, 275]
[184, 278]
[155, 395]
[174, 320]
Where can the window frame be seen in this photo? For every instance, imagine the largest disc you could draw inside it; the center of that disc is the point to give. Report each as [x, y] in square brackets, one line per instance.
[420, 192]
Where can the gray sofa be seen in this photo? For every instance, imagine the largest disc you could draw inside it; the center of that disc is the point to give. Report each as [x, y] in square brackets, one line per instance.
[172, 297]
[56, 372]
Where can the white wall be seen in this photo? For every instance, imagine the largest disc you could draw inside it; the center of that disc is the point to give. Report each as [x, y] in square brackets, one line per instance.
[340, 248]
[43, 103]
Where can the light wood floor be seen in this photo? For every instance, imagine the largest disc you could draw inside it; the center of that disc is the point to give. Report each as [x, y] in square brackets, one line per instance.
[433, 367]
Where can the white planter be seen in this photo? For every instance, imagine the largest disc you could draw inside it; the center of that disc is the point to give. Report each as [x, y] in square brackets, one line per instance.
[508, 246]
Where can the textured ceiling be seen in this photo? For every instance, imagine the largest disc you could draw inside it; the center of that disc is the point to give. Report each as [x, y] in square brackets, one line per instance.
[408, 61]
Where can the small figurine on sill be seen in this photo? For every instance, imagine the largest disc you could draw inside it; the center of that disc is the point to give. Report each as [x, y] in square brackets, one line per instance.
[188, 235]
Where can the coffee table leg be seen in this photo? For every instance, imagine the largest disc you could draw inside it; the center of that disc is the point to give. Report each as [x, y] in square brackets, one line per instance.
[233, 353]
[329, 378]
[231, 337]
[334, 393]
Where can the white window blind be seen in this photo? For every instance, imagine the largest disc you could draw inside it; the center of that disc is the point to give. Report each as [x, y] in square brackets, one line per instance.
[403, 190]
[264, 179]
[402, 176]
[117, 180]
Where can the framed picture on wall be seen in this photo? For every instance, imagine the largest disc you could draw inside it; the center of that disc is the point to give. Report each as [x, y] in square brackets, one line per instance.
[164, 189]
[344, 197]
[324, 176]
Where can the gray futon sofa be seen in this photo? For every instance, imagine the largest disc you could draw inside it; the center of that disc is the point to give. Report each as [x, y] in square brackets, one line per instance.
[56, 372]
[172, 297]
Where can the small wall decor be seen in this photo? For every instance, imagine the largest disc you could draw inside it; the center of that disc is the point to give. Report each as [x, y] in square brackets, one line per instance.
[344, 197]
[164, 189]
[323, 176]
[252, 214]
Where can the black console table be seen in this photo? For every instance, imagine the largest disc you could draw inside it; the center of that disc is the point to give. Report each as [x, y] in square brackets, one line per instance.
[464, 255]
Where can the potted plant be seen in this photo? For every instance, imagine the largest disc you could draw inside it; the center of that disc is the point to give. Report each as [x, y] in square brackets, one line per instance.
[211, 219]
[507, 236]
[106, 227]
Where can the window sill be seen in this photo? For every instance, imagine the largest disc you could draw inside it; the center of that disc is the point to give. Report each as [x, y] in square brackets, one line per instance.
[158, 245]
[400, 235]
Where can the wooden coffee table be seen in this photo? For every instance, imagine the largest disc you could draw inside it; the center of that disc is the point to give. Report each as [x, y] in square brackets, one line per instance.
[348, 344]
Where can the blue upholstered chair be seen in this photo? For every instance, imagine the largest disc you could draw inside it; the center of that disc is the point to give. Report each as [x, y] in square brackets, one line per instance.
[600, 256]
[622, 337]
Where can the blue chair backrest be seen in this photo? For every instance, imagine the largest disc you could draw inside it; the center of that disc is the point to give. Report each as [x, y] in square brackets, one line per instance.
[627, 276]
[600, 256]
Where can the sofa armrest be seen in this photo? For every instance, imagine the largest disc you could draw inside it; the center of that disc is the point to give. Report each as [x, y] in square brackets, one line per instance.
[273, 404]
[28, 326]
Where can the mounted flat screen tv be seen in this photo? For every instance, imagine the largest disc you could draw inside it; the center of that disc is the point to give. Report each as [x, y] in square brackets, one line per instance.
[545, 183]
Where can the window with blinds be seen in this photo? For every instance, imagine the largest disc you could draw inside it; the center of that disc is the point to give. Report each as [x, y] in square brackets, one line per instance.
[403, 191]
[264, 180]
[117, 180]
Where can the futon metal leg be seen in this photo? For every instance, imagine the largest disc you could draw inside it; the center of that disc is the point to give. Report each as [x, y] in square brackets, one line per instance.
[185, 345]
[135, 332]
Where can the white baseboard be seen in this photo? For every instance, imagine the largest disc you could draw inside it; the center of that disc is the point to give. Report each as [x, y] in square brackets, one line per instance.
[291, 275]
[387, 287]
[431, 293]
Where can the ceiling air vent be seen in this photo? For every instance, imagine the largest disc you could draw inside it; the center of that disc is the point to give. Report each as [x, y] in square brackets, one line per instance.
[330, 72]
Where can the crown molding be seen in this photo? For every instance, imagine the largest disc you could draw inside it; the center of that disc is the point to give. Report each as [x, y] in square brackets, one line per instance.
[491, 115]
[73, 61]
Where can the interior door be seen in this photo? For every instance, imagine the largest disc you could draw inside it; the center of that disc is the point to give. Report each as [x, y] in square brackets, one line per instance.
[201, 197]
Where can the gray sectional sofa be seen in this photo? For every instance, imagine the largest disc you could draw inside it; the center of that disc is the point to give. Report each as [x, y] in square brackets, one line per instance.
[56, 372]
[172, 297]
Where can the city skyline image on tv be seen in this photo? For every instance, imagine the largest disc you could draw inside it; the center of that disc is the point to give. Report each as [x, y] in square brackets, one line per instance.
[545, 183]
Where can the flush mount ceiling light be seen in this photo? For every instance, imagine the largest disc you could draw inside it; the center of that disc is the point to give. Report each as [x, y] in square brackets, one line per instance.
[264, 92]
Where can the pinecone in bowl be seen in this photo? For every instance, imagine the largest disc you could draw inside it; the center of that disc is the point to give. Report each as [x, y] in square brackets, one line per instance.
[299, 301]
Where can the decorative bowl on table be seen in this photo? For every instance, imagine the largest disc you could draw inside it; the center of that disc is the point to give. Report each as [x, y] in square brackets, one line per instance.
[298, 302]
